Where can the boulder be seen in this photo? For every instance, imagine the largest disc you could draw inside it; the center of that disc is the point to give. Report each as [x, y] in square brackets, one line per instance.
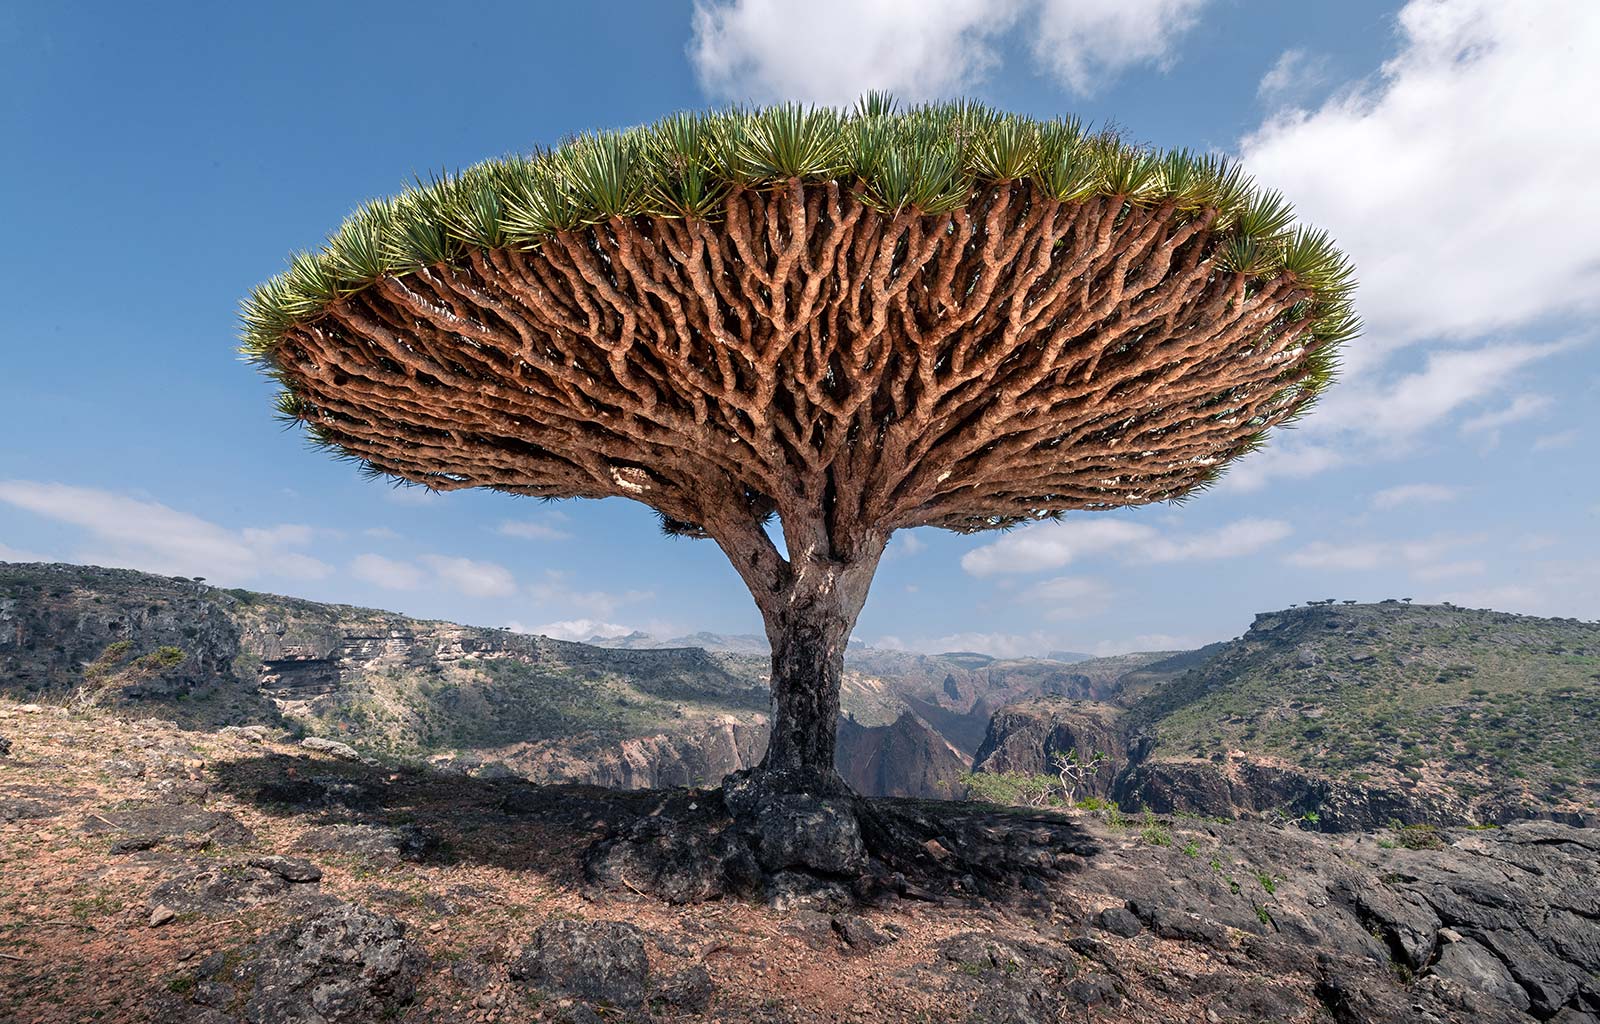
[806, 832]
[218, 890]
[333, 748]
[340, 965]
[598, 961]
[290, 869]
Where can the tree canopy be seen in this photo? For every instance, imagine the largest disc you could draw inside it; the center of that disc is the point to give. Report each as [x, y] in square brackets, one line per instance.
[943, 315]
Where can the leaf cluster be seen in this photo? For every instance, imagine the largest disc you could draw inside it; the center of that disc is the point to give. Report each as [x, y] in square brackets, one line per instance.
[929, 159]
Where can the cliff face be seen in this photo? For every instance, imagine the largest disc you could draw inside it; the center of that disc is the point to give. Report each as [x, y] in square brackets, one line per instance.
[1026, 737]
[906, 758]
[387, 683]
[1358, 715]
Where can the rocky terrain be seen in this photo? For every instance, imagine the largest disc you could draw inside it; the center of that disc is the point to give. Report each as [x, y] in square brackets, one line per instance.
[158, 873]
[1346, 715]
[1354, 715]
[635, 713]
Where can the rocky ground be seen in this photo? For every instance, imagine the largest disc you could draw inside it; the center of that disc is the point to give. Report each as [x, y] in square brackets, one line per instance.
[158, 874]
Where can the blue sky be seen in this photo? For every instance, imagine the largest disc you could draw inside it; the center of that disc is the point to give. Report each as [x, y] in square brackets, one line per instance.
[166, 158]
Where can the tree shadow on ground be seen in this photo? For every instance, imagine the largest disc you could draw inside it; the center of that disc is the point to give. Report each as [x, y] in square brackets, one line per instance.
[927, 848]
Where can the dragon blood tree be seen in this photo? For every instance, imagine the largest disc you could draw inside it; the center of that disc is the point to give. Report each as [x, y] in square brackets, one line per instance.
[848, 322]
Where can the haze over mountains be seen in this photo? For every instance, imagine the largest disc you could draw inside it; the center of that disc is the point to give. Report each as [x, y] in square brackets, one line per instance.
[1355, 714]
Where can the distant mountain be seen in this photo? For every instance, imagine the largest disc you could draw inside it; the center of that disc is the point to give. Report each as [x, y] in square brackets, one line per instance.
[1066, 656]
[629, 711]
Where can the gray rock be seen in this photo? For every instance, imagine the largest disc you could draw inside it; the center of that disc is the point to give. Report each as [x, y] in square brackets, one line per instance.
[375, 843]
[788, 891]
[333, 748]
[1406, 921]
[248, 733]
[1119, 921]
[689, 991]
[341, 965]
[290, 869]
[1170, 923]
[860, 934]
[599, 961]
[679, 860]
[1474, 968]
[218, 890]
[5, 747]
[810, 833]
[1091, 990]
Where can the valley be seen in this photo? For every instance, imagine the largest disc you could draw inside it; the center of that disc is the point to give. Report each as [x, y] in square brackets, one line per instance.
[1353, 715]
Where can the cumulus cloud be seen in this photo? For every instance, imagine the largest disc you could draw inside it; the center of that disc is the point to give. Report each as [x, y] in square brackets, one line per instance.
[1239, 538]
[1443, 176]
[904, 544]
[996, 645]
[1084, 43]
[919, 49]
[388, 573]
[1376, 416]
[1409, 494]
[1147, 642]
[1052, 545]
[573, 629]
[472, 578]
[136, 533]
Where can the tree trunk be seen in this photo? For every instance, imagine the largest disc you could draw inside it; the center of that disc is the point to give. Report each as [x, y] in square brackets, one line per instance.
[810, 602]
[808, 642]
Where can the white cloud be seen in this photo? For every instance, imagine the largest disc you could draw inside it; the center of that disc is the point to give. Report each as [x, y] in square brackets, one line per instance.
[1052, 545]
[1238, 538]
[142, 534]
[996, 645]
[1379, 554]
[1148, 642]
[1369, 418]
[1521, 408]
[1452, 179]
[905, 544]
[1287, 457]
[573, 629]
[386, 572]
[381, 533]
[1449, 380]
[530, 530]
[1294, 73]
[1086, 42]
[1407, 494]
[1547, 442]
[472, 578]
[1450, 570]
[554, 590]
[1066, 597]
[919, 49]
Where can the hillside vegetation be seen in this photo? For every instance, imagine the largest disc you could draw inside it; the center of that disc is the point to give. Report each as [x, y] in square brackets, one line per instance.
[1485, 709]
